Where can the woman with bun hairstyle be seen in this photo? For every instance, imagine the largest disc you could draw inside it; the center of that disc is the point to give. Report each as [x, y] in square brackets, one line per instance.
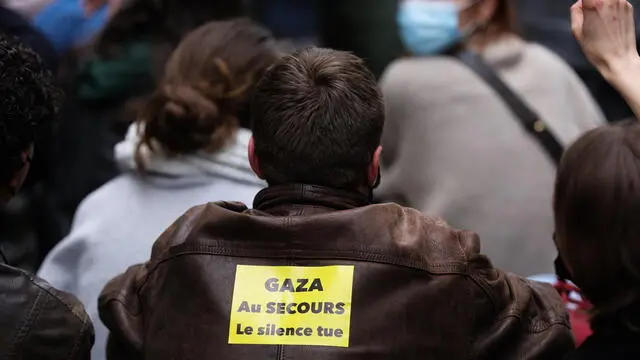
[124, 61]
[187, 148]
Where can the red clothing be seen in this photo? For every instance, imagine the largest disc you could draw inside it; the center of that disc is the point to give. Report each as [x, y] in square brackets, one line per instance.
[578, 311]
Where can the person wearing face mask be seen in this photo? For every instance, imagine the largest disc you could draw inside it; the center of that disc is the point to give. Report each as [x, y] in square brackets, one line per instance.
[476, 120]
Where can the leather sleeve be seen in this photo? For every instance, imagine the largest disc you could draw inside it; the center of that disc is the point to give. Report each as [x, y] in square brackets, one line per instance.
[120, 303]
[531, 323]
[119, 348]
[120, 310]
[80, 325]
[40, 322]
[529, 320]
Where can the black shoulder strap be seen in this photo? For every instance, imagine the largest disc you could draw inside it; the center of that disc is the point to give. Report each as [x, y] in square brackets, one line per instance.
[3, 258]
[529, 119]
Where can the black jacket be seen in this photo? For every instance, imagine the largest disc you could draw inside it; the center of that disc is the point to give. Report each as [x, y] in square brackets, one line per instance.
[38, 322]
[621, 346]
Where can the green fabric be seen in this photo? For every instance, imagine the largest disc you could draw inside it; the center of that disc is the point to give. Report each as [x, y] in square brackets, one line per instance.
[126, 75]
[365, 27]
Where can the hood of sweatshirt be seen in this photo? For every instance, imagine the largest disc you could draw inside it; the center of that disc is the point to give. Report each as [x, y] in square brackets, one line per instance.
[230, 163]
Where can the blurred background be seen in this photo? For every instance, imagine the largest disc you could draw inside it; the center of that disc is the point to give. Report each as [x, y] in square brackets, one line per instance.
[95, 116]
[368, 28]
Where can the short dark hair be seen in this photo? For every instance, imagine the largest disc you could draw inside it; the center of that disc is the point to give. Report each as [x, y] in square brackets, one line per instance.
[28, 103]
[317, 118]
[597, 216]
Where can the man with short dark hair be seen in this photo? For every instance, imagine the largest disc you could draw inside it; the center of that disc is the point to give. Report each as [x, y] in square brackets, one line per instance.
[36, 320]
[325, 132]
[315, 271]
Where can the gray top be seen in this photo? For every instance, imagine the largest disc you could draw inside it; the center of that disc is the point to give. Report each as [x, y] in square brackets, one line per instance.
[453, 148]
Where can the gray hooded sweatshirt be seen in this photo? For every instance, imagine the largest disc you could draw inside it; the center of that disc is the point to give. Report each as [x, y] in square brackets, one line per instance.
[116, 226]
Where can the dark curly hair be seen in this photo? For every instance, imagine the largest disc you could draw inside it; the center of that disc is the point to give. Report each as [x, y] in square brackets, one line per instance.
[29, 101]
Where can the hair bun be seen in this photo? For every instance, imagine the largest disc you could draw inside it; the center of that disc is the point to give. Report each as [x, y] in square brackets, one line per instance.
[183, 120]
[185, 101]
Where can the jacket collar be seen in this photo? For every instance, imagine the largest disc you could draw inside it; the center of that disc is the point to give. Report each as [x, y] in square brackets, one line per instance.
[309, 195]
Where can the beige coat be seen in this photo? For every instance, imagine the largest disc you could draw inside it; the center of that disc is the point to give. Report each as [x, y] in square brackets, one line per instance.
[453, 148]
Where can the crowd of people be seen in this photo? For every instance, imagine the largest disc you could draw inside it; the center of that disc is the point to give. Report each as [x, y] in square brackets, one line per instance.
[207, 190]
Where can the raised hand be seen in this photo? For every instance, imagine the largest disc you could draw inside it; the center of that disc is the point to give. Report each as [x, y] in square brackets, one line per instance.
[605, 29]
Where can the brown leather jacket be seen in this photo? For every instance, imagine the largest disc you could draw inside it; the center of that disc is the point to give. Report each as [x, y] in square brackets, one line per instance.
[38, 322]
[323, 270]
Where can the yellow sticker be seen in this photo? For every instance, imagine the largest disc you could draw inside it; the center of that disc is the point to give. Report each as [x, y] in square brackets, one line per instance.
[291, 305]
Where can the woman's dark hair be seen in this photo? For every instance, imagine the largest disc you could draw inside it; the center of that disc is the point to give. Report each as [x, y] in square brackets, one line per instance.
[207, 83]
[504, 18]
[597, 216]
[501, 22]
[163, 21]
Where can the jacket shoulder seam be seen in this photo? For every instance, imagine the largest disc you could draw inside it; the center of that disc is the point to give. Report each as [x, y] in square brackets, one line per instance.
[27, 322]
[47, 289]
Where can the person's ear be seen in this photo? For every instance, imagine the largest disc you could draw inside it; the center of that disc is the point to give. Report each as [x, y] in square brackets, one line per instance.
[19, 177]
[253, 159]
[374, 168]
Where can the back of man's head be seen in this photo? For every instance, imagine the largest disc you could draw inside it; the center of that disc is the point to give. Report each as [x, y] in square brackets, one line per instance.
[317, 118]
[28, 100]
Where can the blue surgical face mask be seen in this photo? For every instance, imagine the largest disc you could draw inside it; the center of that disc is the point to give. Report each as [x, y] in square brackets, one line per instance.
[428, 28]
